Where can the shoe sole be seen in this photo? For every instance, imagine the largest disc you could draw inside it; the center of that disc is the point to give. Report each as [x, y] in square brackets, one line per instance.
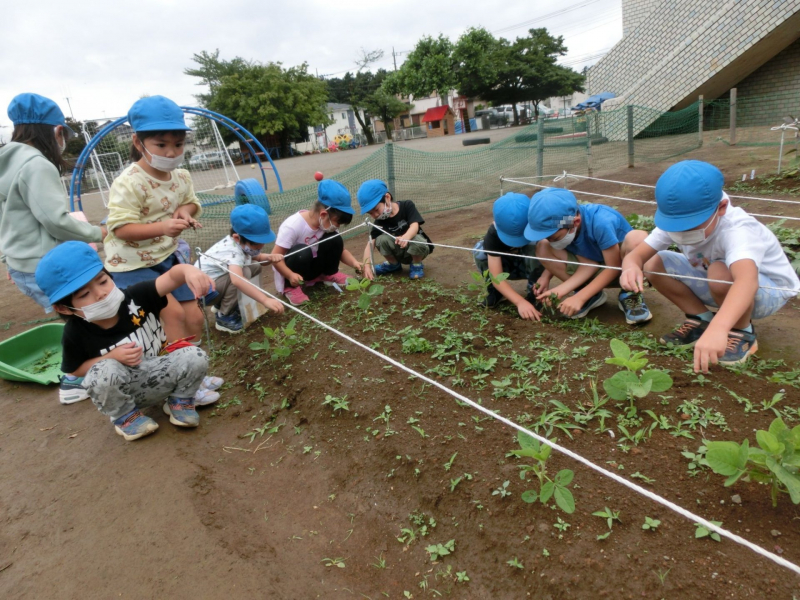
[631, 321]
[600, 301]
[129, 438]
[219, 327]
[175, 421]
[72, 397]
[729, 363]
[293, 303]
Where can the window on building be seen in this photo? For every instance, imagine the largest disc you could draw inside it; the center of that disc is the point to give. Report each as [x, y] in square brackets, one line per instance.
[344, 116]
[436, 124]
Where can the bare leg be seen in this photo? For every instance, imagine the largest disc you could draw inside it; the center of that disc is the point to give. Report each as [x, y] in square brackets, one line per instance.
[544, 251]
[718, 270]
[195, 319]
[631, 241]
[672, 289]
[174, 319]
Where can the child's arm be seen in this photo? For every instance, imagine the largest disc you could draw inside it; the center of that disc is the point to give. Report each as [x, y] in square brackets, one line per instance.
[294, 279]
[240, 283]
[632, 278]
[612, 258]
[268, 258]
[369, 271]
[402, 240]
[128, 354]
[350, 260]
[187, 212]
[738, 300]
[194, 278]
[525, 309]
[136, 232]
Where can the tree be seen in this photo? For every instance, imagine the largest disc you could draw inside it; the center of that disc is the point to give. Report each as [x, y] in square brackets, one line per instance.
[386, 107]
[212, 69]
[75, 145]
[428, 69]
[475, 58]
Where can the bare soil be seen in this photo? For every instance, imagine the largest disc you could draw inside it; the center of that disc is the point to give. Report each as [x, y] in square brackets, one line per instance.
[209, 513]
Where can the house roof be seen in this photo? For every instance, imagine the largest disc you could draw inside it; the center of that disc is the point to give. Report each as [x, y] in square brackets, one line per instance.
[437, 113]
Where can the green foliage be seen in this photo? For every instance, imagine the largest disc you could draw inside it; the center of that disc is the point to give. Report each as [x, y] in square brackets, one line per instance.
[437, 551]
[428, 69]
[516, 563]
[555, 488]
[367, 288]
[775, 462]
[337, 404]
[702, 531]
[628, 384]
[650, 524]
[280, 340]
[610, 516]
[483, 281]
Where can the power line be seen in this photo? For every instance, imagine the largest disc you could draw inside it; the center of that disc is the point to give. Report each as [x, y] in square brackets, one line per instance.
[546, 16]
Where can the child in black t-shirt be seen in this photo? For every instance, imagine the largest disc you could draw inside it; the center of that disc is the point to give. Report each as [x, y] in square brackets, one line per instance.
[113, 338]
[506, 234]
[405, 242]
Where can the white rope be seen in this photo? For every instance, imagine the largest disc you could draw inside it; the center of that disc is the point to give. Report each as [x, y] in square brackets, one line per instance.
[317, 243]
[536, 185]
[653, 187]
[577, 457]
[580, 264]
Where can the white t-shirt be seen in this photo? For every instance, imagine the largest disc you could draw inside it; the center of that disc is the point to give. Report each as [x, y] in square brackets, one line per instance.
[736, 237]
[295, 230]
[226, 251]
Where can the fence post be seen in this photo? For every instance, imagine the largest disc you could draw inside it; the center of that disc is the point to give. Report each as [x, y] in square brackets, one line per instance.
[700, 120]
[589, 144]
[540, 146]
[733, 116]
[390, 167]
[630, 135]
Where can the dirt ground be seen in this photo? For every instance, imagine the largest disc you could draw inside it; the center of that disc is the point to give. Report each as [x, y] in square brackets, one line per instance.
[198, 514]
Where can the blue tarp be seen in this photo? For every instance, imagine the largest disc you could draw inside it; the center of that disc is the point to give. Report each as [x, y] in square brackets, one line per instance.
[594, 101]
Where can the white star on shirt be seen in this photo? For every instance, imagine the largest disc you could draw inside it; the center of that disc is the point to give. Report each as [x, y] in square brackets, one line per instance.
[134, 310]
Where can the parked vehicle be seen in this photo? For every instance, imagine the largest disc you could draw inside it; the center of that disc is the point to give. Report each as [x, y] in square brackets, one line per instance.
[206, 160]
[493, 117]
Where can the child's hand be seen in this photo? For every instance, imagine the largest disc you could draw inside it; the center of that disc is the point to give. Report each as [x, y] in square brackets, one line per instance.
[198, 282]
[269, 258]
[527, 311]
[401, 241]
[709, 348]
[295, 280]
[128, 354]
[185, 212]
[274, 306]
[174, 227]
[545, 294]
[632, 279]
[367, 271]
[570, 306]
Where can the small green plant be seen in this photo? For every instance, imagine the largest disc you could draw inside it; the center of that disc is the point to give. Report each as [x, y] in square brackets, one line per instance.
[516, 563]
[628, 384]
[702, 531]
[502, 490]
[333, 562]
[337, 403]
[280, 340]
[449, 464]
[461, 577]
[774, 463]
[610, 516]
[437, 551]
[561, 525]
[650, 524]
[556, 488]
[483, 281]
[367, 288]
[380, 562]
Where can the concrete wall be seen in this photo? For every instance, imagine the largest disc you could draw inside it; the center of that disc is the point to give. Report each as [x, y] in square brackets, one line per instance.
[634, 12]
[781, 74]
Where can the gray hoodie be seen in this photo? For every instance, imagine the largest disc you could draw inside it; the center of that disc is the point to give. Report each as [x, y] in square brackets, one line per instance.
[34, 216]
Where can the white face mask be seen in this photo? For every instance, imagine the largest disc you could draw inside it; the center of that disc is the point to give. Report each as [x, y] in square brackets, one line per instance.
[327, 229]
[693, 236]
[251, 252]
[387, 212]
[162, 163]
[104, 309]
[564, 241]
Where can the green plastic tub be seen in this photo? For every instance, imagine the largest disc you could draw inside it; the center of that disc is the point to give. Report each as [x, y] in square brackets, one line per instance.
[34, 355]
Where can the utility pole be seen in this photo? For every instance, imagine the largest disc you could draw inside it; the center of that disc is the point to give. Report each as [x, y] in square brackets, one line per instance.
[70, 110]
[394, 58]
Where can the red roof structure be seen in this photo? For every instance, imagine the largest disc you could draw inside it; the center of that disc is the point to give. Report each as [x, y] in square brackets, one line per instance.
[436, 113]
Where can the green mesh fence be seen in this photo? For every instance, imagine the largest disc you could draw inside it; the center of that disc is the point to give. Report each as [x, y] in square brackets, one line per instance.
[596, 143]
[755, 116]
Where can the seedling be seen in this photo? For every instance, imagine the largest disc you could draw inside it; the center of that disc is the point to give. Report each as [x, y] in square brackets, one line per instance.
[516, 563]
[650, 524]
[561, 525]
[556, 488]
[610, 516]
[461, 577]
[449, 464]
[483, 281]
[380, 562]
[437, 551]
[367, 288]
[702, 531]
[627, 384]
[333, 562]
[280, 340]
[502, 490]
[337, 403]
[775, 462]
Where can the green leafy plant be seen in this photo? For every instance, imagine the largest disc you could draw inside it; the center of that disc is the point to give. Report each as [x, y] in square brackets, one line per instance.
[556, 487]
[628, 384]
[502, 490]
[775, 462]
[367, 288]
[334, 562]
[516, 563]
[437, 551]
[701, 531]
[610, 516]
[650, 524]
[483, 281]
[337, 403]
[280, 340]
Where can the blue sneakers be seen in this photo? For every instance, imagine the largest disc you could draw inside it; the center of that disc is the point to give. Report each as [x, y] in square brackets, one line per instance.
[386, 267]
[71, 390]
[741, 344]
[636, 311]
[416, 271]
[231, 323]
[181, 412]
[134, 425]
[597, 300]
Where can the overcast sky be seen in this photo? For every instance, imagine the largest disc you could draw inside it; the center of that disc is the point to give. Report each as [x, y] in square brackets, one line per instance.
[105, 55]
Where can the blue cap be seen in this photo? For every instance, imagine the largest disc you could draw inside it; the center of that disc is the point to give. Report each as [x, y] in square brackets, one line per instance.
[510, 219]
[251, 221]
[33, 108]
[156, 113]
[333, 194]
[66, 269]
[687, 194]
[550, 210]
[370, 193]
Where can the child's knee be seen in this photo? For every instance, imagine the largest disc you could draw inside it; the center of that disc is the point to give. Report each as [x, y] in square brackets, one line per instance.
[191, 359]
[385, 244]
[105, 374]
[632, 239]
[719, 270]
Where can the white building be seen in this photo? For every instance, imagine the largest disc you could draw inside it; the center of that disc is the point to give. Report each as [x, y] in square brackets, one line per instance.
[344, 122]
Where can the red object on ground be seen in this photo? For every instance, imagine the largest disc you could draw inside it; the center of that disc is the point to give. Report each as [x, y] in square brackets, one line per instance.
[318, 176]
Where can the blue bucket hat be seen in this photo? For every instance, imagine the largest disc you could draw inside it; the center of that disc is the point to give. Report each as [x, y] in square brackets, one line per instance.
[510, 219]
[66, 269]
[251, 221]
[687, 194]
[333, 194]
[550, 210]
[33, 108]
[156, 113]
[370, 193]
